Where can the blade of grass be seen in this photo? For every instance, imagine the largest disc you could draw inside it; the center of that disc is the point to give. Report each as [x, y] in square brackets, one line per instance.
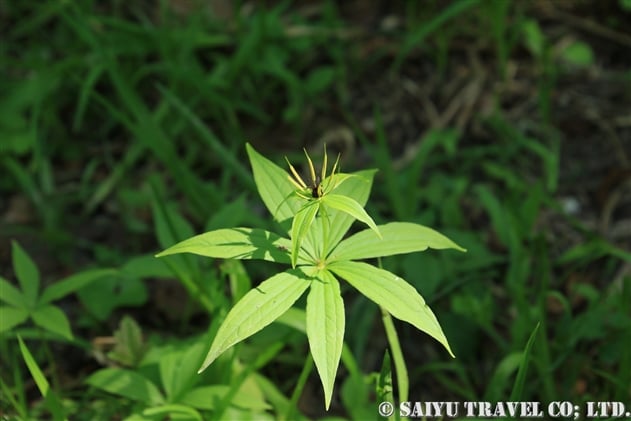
[417, 36]
[211, 139]
[144, 124]
[384, 161]
[8, 394]
[520, 380]
[53, 403]
[134, 153]
[307, 368]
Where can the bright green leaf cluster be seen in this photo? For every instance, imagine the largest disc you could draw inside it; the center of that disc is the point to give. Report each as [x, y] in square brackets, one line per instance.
[316, 218]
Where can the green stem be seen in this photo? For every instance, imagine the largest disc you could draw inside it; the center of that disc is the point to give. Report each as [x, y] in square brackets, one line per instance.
[403, 382]
[302, 380]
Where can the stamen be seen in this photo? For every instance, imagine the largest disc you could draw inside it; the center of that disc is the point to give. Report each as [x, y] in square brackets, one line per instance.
[324, 164]
[311, 169]
[298, 179]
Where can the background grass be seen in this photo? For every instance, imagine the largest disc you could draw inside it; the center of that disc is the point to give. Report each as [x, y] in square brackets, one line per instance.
[503, 124]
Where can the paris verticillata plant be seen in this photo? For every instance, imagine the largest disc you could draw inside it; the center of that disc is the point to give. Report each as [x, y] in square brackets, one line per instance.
[316, 216]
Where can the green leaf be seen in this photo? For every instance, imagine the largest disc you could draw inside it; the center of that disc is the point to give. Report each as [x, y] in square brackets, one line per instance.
[357, 187]
[170, 225]
[498, 382]
[392, 293]
[11, 317]
[258, 308]
[274, 186]
[351, 207]
[319, 79]
[52, 319]
[520, 379]
[53, 403]
[178, 370]
[27, 274]
[146, 266]
[300, 227]
[11, 295]
[129, 348]
[230, 215]
[235, 243]
[128, 384]
[73, 283]
[174, 412]
[396, 238]
[533, 37]
[207, 397]
[121, 291]
[238, 278]
[579, 54]
[325, 328]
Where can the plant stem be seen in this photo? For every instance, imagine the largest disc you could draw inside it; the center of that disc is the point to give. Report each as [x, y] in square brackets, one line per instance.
[403, 383]
[302, 380]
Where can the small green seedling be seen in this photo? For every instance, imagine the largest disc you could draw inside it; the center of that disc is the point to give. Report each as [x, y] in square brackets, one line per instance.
[317, 217]
[20, 305]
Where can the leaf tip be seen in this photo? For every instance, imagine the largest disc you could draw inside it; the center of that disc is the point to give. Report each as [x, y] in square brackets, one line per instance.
[163, 253]
[207, 362]
[459, 248]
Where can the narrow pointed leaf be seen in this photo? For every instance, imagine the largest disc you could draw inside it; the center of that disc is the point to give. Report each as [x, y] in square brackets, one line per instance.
[300, 227]
[52, 401]
[396, 238]
[128, 384]
[235, 243]
[351, 207]
[257, 309]
[392, 293]
[358, 187]
[73, 283]
[520, 379]
[52, 319]
[11, 295]
[325, 328]
[273, 185]
[27, 273]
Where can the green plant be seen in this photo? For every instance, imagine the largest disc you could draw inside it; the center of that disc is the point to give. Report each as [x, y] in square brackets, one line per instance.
[317, 221]
[29, 303]
[51, 400]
